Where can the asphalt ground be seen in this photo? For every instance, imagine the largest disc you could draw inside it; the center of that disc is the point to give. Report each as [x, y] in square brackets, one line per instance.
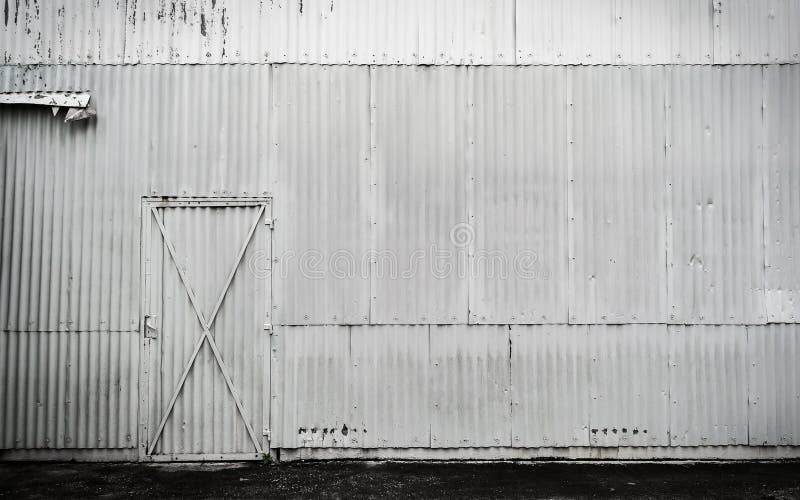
[403, 480]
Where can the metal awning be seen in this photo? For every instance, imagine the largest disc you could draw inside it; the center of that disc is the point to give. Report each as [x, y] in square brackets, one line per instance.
[76, 102]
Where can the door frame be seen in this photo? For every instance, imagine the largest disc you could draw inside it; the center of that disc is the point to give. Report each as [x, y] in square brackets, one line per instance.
[148, 203]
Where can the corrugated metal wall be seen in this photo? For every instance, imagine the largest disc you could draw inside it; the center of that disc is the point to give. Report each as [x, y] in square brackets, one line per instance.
[680, 179]
[412, 32]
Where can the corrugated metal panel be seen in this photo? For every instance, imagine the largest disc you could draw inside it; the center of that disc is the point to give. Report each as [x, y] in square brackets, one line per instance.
[663, 32]
[716, 177]
[782, 223]
[708, 385]
[390, 365]
[312, 389]
[470, 370]
[518, 202]
[629, 373]
[364, 386]
[70, 202]
[320, 138]
[616, 185]
[205, 418]
[550, 386]
[773, 384]
[565, 32]
[68, 389]
[63, 31]
[418, 159]
[757, 31]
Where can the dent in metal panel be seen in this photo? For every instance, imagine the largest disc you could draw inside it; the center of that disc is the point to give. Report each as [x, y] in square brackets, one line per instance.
[565, 32]
[390, 370]
[470, 370]
[663, 32]
[715, 187]
[773, 384]
[418, 159]
[757, 31]
[782, 236]
[63, 31]
[518, 264]
[629, 373]
[550, 386]
[68, 389]
[321, 157]
[616, 195]
[708, 385]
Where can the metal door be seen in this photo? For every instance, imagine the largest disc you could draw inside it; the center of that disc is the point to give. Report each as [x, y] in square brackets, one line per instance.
[206, 303]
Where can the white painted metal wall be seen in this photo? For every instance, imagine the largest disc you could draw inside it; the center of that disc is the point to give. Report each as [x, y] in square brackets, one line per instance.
[410, 32]
[644, 153]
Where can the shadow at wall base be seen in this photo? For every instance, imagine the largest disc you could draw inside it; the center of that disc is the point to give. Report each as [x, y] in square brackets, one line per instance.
[577, 453]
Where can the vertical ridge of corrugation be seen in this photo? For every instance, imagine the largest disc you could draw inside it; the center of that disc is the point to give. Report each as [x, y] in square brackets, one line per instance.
[549, 386]
[420, 120]
[618, 172]
[708, 385]
[59, 32]
[773, 385]
[717, 198]
[69, 389]
[470, 386]
[629, 378]
[518, 269]
[782, 240]
[321, 132]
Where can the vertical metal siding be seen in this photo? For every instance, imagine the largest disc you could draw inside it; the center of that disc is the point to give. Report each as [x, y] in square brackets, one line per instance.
[550, 386]
[68, 389]
[782, 221]
[70, 251]
[773, 385]
[716, 174]
[470, 384]
[629, 374]
[63, 31]
[757, 31]
[320, 140]
[418, 158]
[708, 385]
[518, 207]
[616, 195]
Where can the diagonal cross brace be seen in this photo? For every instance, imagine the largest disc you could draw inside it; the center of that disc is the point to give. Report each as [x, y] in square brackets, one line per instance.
[206, 336]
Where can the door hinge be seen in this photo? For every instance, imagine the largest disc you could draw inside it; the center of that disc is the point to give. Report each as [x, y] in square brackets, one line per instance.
[150, 326]
[268, 434]
[268, 327]
[269, 222]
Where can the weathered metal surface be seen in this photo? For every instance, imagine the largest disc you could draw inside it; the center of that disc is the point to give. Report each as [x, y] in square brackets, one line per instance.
[415, 32]
[320, 137]
[470, 384]
[715, 188]
[773, 384]
[763, 31]
[196, 280]
[516, 195]
[419, 119]
[549, 386]
[69, 99]
[63, 32]
[630, 386]
[782, 220]
[617, 212]
[708, 385]
[68, 389]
